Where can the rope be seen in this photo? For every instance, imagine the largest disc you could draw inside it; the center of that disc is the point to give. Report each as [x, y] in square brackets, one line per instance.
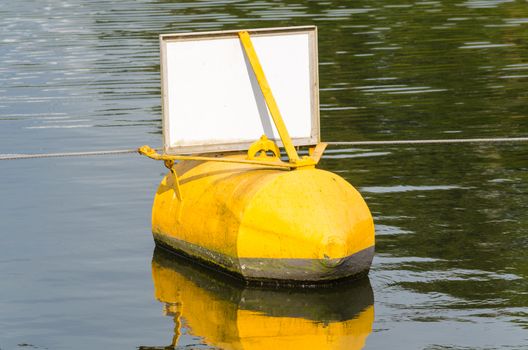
[344, 143]
[423, 142]
[65, 154]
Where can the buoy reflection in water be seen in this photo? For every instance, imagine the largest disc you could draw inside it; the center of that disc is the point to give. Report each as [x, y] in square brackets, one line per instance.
[229, 315]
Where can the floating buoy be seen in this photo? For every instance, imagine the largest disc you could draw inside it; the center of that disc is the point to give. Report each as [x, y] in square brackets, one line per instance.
[232, 316]
[250, 213]
[264, 223]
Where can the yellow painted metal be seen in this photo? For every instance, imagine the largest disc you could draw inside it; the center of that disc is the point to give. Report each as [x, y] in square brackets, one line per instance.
[151, 153]
[245, 39]
[233, 318]
[317, 152]
[169, 164]
[258, 149]
[256, 211]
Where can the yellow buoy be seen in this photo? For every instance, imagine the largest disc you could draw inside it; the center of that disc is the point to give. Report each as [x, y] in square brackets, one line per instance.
[265, 223]
[230, 316]
[257, 216]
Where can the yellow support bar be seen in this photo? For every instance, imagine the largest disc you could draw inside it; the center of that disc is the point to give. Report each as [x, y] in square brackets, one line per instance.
[317, 152]
[151, 153]
[268, 96]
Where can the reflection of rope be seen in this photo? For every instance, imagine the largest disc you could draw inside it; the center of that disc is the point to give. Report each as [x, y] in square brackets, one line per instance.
[344, 143]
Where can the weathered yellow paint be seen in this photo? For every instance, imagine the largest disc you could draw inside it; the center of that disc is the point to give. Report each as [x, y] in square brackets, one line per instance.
[261, 212]
[231, 317]
[312, 214]
[235, 211]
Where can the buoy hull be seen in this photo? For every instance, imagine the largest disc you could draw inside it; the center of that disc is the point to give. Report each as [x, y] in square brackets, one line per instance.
[265, 224]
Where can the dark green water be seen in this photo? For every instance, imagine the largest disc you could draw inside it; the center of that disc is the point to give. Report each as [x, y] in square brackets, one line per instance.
[451, 220]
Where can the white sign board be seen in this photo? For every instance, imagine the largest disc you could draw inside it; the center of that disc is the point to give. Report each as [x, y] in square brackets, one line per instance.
[212, 101]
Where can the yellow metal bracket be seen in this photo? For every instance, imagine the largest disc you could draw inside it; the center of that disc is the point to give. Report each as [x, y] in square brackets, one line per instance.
[251, 54]
[259, 149]
[317, 152]
[268, 96]
[169, 164]
[151, 153]
[303, 162]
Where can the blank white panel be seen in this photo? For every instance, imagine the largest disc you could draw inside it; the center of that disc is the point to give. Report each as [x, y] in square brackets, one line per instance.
[212, 100]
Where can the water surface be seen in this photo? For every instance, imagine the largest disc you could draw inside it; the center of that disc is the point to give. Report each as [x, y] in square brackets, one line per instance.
[78, 265]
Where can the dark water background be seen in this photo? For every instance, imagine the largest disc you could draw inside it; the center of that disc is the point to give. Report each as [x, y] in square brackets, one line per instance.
[451, 220]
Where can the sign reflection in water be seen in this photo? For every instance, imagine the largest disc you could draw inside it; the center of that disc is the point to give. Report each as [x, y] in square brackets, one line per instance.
[230, 315]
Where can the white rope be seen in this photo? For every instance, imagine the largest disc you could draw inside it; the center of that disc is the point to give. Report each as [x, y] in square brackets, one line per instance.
[344, 143]
[422, 142]
[65, 154]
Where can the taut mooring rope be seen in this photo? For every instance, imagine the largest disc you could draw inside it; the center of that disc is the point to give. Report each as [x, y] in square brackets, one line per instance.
[66, 154]
[423, 142]
[344, 143]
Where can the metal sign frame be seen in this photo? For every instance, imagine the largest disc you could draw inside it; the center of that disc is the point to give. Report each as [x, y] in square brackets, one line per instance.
[314, 137]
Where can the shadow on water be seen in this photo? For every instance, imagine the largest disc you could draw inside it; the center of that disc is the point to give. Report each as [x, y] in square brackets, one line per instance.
[229, 315]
